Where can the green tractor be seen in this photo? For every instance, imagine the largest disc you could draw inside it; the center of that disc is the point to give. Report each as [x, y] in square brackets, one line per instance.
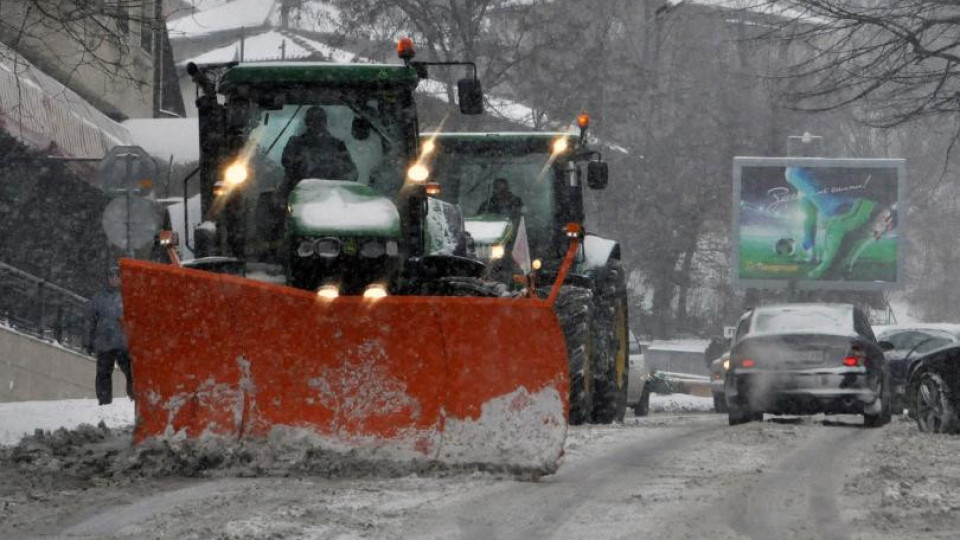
[309, 176]
[521, 195]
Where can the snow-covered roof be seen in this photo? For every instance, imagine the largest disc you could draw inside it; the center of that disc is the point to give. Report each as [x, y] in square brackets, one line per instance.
[166, 137]
[39, 110]
[267, 46]
[218, 17]
[950, 328]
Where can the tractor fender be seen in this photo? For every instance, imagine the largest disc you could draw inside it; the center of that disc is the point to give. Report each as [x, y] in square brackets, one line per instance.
[595, 262]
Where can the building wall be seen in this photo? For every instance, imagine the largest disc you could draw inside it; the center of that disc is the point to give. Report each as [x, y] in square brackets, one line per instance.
[91, 52]
[33, 370]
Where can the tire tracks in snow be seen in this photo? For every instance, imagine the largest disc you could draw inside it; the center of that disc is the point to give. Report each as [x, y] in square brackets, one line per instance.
[797, 496]
[549, 508]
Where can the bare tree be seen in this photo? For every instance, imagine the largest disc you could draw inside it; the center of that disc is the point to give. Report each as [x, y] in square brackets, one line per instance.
[899, 59]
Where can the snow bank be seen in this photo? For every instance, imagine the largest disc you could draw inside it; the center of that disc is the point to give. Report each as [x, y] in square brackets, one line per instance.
[23, 418]
[680, 403]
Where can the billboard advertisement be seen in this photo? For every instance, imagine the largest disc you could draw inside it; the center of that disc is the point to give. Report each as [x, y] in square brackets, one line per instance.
[815, 223]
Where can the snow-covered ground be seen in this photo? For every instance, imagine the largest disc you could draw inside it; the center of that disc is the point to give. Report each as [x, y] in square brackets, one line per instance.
[670, 475]
[680, 403]
[24, 417]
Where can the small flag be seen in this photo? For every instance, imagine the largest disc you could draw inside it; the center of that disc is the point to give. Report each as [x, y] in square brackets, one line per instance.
[521, 249]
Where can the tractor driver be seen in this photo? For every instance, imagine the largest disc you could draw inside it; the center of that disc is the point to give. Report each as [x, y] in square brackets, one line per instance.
[502, 201]
[316, 154]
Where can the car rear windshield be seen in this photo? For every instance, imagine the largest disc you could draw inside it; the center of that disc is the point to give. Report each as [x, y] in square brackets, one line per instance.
[807, 319]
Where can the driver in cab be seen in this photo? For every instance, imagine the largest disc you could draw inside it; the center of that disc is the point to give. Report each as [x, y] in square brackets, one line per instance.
[316, 154]
[502, 201]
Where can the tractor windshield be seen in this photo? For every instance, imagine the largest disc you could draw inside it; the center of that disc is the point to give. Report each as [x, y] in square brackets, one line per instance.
[496, 184]
[346, 134]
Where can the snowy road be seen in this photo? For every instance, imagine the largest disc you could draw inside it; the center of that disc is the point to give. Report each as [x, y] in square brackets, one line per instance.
[667, 476]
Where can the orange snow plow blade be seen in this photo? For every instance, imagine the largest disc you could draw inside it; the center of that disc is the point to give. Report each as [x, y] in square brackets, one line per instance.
[459, 380]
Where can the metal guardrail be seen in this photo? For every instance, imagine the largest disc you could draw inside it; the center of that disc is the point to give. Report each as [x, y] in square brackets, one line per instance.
[35, 306]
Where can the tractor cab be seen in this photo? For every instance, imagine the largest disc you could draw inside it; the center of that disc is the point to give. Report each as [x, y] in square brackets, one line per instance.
[312, 167]
[505, 182]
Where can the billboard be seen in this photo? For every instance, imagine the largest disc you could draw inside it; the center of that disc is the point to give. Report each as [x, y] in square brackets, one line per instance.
[815, 223]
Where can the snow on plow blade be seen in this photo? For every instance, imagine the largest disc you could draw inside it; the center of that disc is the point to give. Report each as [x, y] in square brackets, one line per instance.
[459, 380]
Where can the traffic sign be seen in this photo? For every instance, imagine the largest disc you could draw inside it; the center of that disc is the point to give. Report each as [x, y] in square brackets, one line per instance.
[128, 169]
[130, 222]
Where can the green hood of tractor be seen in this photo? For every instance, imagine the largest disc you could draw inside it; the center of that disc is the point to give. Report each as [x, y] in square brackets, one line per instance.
[341, 209]
[489, 229]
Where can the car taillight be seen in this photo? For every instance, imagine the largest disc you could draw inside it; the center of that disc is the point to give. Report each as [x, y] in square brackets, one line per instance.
[854, 358]
[747, 363]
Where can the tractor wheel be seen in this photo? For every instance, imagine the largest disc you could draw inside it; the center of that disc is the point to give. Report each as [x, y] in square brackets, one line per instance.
[574, 310]
[612, 344]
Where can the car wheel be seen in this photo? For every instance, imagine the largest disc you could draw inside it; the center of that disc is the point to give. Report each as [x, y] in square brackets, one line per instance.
[642, 407]
[883, 416]
[934, 409]
[720, 403]
[736, 416]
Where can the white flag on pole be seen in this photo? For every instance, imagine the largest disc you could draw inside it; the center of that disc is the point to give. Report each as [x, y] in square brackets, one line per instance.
[521, 249]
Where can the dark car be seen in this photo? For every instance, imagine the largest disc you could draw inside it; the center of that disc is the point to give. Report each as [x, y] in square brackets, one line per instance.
[806, 359]
[910, 342]
[933, 390]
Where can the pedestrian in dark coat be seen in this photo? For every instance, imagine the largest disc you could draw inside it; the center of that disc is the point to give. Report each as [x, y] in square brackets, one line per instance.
[106, 339]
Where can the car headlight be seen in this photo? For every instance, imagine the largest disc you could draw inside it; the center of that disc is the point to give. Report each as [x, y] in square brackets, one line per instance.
[327, 248]
[372, 249]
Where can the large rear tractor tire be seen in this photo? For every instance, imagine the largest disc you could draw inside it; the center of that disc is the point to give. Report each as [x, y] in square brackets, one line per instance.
[611, 333]
[575, 310]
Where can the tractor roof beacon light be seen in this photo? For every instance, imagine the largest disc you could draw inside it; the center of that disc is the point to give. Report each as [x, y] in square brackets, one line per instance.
[405, 50]
[583, 120]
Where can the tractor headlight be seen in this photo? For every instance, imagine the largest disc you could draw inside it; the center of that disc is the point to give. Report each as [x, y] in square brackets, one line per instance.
[725, 364]
[328, 248]
[372, 249]
[328, 292]
[418, 173]
[375, 291]
[392, 248]
[560, 145]
[497, 252]
[236, 173]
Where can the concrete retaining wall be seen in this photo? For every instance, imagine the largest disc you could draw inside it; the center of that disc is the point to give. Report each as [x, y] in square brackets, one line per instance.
[33, 370]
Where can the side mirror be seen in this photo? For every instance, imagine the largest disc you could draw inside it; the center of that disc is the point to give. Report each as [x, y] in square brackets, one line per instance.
[886, 346]
[597, 174]
[360, 129]
[470, 95]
